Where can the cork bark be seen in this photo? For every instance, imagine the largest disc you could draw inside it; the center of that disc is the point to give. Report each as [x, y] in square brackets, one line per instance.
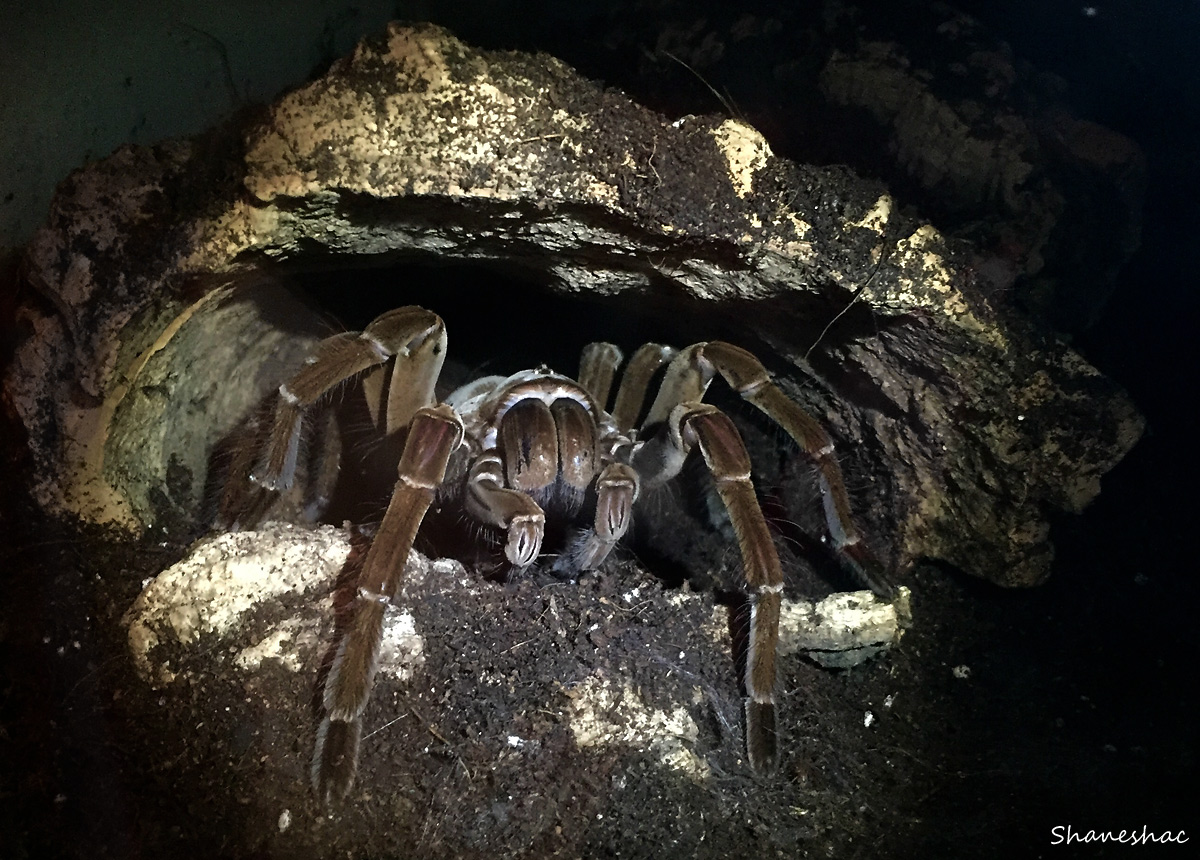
[163, 321]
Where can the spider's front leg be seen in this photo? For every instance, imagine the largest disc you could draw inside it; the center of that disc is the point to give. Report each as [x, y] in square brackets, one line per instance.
[434, 434]
[691, 424]
[412, 339]
[490, 502]
[618, 485]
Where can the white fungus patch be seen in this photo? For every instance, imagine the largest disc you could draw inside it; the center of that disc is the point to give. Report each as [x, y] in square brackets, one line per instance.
[843, 629]
[402, 650]
[876, 218]
[602, 714]
[283, 643]
[746, 150]
[225, 577]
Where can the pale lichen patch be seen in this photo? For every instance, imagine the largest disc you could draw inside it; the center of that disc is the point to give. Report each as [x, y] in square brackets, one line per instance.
[746, 152]
[876, 218]
[434, 133]
[843, 629]
[402, 649]
[788, 237]
[928, 283]
[603, 714]
[284, 643]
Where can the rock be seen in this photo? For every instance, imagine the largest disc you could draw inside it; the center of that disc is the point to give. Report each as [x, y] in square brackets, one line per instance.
[941, 109]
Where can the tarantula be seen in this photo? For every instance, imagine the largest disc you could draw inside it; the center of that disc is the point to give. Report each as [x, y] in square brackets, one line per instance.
[515, 450]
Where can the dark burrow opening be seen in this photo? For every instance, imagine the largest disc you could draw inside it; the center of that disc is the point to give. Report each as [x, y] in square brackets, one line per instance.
[502, 318]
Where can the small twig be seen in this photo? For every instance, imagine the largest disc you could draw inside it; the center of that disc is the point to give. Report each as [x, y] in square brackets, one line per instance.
[429, 727]
[854, 298]
[541, 137]
[384, 726]
[226, 67]
[518, 645]
[832, 322]
[724, 102]
[432, 729]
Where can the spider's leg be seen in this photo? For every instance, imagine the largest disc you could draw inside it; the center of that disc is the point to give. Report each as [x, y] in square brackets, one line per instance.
[747, 376]
[579, 460]
[635, 380]
[242, 502]
[324, 463]
[688, 378]
[525, 461]
[416, 339]
[434, 435]
[597, 366]
[685, 381]
[694, 423]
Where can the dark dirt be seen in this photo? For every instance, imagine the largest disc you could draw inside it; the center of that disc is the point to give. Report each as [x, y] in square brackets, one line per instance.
[96, 764]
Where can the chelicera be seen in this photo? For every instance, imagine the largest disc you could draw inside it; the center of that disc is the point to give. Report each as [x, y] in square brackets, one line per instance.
[517, 452]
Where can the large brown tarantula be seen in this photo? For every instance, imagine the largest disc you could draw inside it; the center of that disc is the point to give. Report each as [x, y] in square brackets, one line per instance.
[514, 451]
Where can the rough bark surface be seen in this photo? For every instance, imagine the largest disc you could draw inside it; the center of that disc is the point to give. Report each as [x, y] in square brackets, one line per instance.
[970, 425]
[940, 108]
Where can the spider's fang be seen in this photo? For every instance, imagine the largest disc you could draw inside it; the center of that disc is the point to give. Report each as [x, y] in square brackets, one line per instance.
[524, 540]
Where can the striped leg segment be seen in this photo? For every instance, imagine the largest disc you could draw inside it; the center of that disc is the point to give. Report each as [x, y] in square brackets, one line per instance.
[635, 380]
[726, 457]
[746, 375]
[691, 424]
[688, 378]
[414, 338]
[597, 369]
[616, 490]
[434, 434]
[490, 502]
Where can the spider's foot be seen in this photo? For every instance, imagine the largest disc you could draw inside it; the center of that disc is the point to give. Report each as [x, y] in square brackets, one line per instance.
[762, 747]
[335, 759]
[580, 555]
[869, 572]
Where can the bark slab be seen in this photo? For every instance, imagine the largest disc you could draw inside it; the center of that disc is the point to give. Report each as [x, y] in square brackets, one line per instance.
[162, 324]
